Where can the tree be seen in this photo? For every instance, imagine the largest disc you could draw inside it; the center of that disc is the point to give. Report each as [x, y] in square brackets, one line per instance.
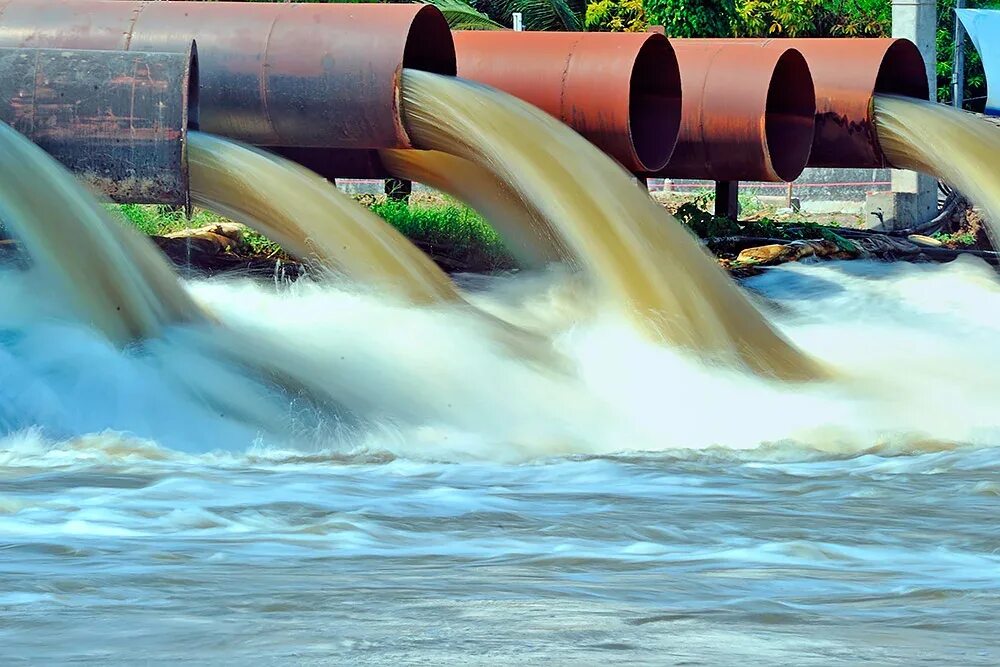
[813, 18]
[762, 18]
[463, 16]
[536, 14]
[616, 16]
[692, 18]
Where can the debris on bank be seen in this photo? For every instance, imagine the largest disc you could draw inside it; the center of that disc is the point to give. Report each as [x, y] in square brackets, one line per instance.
[746, 247]
[223, 248]
[751, 260]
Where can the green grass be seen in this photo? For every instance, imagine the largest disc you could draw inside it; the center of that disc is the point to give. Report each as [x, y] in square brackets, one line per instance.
[447, 230]
[157, 220]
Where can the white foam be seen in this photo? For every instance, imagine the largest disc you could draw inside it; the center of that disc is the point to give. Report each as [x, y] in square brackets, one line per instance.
[911, 346]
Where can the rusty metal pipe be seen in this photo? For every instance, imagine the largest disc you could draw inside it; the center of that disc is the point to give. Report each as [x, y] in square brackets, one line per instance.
[848, 73]
[118, 120]
[747, 112]
[619, 90]
[321, 75]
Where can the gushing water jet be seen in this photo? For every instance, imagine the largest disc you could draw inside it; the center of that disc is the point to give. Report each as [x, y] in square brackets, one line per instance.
[953, 145]
[311, 219]
[321, 224]
[116, 279]
[644, 261]
[525, 233]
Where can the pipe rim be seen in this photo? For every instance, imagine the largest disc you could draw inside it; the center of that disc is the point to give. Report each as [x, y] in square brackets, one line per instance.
[429, 45]
[902, 71]
[654, 106]
[790, 115]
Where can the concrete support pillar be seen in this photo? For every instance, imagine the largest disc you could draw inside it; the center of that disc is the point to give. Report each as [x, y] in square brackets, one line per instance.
[914, 194]
[727, 199]
[958, 61]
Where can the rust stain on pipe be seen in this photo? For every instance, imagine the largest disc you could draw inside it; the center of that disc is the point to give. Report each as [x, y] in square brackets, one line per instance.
[748, 112]
[118, 120]
[848, 73]
[619, 90]
[321, 75]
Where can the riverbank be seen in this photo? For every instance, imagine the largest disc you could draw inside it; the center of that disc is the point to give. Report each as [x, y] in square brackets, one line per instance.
[459, 240]
[453, 235]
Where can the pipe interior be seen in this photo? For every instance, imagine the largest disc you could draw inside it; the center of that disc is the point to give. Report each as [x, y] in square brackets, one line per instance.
[790, 115]
[902, 72]
[429, 45]
[654, 103]
[194, 90]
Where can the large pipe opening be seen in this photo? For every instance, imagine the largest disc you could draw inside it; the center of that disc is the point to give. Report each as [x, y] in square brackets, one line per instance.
[193, 90]
[621, 91]
[429, 45]
[902, 71]
[789, 117]
[747, 111]
[654, 103]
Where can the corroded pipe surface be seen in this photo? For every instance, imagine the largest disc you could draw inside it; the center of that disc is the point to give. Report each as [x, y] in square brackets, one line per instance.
[847, 74]
[619, 90]
[118, 120]
[271, 74]
[747, 114]
[333, 164]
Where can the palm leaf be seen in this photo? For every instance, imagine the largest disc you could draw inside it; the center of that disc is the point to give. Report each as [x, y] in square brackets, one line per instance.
[462, 16]
[539, 14]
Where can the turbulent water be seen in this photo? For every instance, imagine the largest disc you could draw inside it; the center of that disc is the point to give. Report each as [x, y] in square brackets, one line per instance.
[310, 218]
[955, 146]
[319, 474]
[650, 512]
[322, 225]
[642, 261]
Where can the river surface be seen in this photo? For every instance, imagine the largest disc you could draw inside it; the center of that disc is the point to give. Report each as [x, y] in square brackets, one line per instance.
[695, 517]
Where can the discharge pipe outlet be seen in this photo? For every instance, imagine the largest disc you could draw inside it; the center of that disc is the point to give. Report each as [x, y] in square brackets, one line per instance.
[621, 91]
[848, 73]
[747, 112]
[272, 74]
[118, 120]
